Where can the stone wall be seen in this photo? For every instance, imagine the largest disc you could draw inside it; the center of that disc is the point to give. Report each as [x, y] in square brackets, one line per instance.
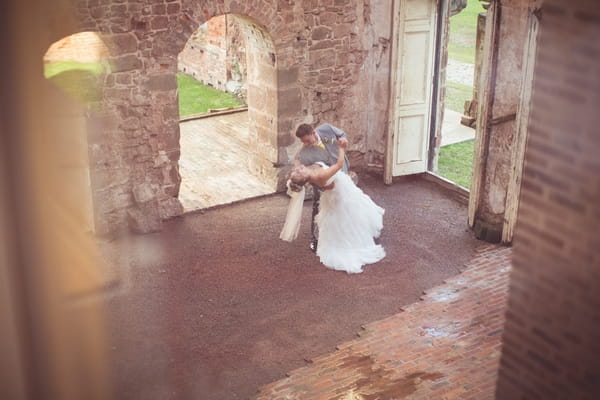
[550, 343]
[336, 69]
[322, 61]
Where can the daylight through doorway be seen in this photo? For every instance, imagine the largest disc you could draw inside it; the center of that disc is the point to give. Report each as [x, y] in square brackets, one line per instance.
[226, 149]
[466, 29]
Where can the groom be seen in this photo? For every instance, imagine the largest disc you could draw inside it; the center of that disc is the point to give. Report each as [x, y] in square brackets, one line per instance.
[319, 144]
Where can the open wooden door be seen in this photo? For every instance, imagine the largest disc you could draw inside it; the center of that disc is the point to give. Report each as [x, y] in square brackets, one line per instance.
[520, 140]
[412, 86]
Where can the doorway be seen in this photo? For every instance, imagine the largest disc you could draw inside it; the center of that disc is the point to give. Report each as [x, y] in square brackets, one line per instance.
[466, 30]
[76, 67]
[228, 150]
[421, 132]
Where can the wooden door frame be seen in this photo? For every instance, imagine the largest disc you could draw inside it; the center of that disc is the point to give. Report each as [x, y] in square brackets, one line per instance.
[437, 112]
[389, 142]
[486, 102]
[521, 131]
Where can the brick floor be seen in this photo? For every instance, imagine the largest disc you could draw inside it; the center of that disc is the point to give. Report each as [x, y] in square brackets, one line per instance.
[446, 346]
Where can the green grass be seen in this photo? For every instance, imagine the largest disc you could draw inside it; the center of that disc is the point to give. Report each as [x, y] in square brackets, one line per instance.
[455, 163]
[82, 81]
[196, 98]
[55, 68]
[463, 32]
[456, 95]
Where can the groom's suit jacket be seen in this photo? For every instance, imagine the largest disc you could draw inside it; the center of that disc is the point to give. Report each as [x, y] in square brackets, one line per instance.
[329, 135]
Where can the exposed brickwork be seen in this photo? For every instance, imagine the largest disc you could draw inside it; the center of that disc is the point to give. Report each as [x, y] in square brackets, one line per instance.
[551, 345]
[446, 346]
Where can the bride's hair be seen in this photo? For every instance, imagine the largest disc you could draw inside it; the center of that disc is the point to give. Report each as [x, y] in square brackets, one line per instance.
[298, 180]
[295, 187]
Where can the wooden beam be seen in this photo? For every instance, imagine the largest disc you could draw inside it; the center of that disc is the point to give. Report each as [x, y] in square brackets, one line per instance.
[520, 140]
[389, 142]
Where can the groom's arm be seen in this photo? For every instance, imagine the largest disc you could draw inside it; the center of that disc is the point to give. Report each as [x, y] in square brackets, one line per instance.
[339, 134]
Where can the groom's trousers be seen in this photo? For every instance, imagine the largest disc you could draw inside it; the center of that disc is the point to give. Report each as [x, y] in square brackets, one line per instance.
[315, 211]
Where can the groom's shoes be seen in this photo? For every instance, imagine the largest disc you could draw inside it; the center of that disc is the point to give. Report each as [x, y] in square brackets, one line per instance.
[313, 245]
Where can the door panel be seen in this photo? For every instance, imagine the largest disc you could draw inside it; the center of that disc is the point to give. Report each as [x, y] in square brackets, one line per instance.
[414, 84]
[418, 9]
[412, 146]
[412, 78]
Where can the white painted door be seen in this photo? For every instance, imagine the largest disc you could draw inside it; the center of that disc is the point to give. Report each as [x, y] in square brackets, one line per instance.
[412, 79]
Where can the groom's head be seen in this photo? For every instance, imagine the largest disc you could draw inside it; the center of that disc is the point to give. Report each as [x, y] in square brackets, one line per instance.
[306, 134]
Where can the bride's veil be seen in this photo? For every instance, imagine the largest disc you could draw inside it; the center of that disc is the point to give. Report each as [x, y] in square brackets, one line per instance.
[294, 214]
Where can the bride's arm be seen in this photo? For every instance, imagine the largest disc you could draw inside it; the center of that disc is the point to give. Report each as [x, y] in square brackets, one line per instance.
[321, 175]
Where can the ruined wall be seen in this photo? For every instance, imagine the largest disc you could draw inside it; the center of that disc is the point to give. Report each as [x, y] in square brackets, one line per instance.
[216, 55]
[134, 142]
[205, 55]
[334, 67]
[550, 343]
[329, 62]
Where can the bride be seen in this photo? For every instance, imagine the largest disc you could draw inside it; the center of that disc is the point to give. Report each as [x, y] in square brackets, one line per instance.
[348, 220]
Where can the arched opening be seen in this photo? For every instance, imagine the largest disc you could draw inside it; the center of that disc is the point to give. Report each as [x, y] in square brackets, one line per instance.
[228, 150]
[76, 66]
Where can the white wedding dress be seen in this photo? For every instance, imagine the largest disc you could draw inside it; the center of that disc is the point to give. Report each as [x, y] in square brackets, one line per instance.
[348, 221]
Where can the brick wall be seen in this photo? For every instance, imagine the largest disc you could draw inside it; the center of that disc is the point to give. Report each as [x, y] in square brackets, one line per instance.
[216, 55]
[550, 346]
[204, 56]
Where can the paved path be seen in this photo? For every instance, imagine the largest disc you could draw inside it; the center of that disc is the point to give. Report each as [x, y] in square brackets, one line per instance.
[214, 162]
[453, 131]
[460, 72]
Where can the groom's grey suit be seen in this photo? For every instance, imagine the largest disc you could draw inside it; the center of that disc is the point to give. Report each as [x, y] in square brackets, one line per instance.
[329, 135]
[309, 155]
